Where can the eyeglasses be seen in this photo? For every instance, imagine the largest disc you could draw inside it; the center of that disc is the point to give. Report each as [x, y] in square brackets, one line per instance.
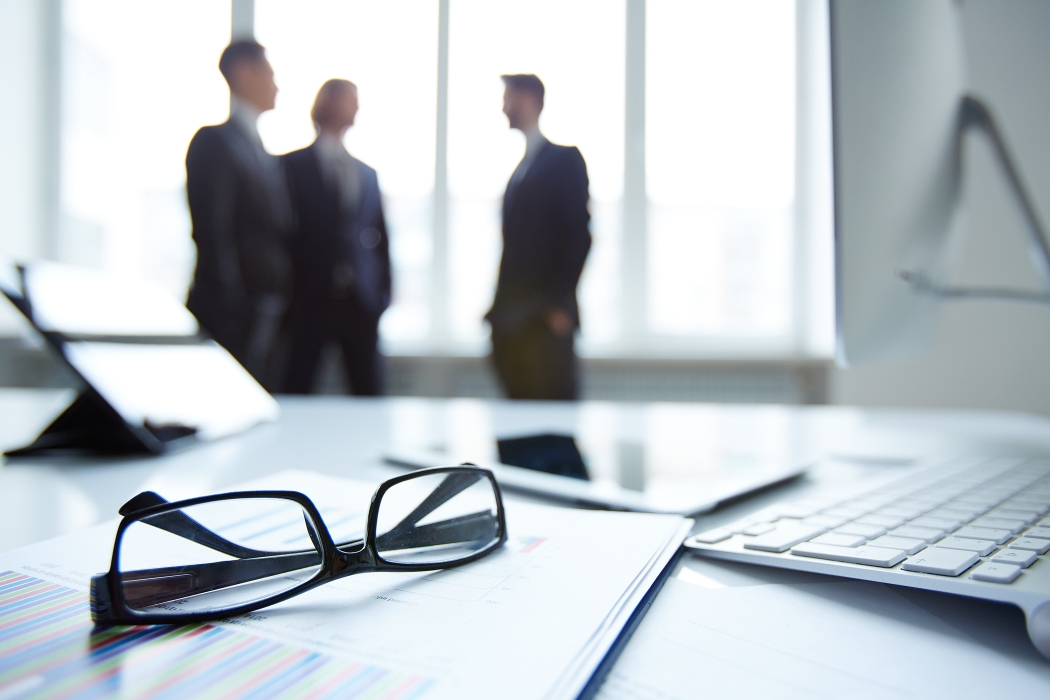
[232, 553]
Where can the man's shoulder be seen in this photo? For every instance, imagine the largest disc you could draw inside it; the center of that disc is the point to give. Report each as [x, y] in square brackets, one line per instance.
[213, 132]
[210, 138]
[365, 168]
[298, 156]
[563, 154]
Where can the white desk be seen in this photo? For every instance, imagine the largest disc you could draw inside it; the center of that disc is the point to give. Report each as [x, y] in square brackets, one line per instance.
[41, 498]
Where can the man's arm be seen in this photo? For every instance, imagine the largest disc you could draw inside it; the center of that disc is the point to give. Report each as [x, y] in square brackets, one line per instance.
[573, 237]
[211, 189]
[385, 274]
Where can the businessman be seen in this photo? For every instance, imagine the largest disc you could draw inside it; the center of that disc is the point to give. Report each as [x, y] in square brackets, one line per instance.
[241, 218]
[546, 238]
[340, 251]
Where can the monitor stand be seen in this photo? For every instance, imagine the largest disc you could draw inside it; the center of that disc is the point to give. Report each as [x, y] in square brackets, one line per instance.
[975, 115]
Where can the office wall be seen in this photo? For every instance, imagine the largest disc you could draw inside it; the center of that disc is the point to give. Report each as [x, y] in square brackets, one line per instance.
[988, 354]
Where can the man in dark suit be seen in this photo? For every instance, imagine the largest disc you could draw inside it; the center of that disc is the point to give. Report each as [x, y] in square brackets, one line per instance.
[241, 219]
[340, 251]
[546, 238]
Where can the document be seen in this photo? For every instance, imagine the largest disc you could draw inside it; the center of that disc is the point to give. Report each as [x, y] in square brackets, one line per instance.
[724, 630]
[533, 620]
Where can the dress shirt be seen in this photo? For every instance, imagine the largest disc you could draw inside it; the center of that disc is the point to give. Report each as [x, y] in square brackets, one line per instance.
[340, 170]
[246, 117]
[534, 142]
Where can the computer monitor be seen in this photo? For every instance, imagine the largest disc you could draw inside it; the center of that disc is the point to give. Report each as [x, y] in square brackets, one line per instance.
[900, 112]
[897, 79]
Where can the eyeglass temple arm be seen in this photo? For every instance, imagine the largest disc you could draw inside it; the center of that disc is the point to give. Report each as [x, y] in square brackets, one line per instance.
[450, 487]
[478, 527]
[148, 587]
[178, 523]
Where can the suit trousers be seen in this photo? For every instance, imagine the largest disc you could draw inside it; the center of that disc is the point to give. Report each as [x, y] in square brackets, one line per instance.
[342, 321]
[535, 363]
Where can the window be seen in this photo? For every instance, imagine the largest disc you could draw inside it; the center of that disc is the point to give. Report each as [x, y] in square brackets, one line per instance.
[712, 263]
[138, 80]
[577, 49]
[389, 50]
[720, 120]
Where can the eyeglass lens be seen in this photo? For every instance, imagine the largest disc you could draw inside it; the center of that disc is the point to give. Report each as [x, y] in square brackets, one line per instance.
[437, 518]
[216, 556]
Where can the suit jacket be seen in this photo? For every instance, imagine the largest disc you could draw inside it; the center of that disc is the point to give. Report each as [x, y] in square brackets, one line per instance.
[241, 223]
[546, 238]
[328, 235]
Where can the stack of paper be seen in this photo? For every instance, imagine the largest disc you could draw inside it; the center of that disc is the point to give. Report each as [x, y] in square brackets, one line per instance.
[533, 620]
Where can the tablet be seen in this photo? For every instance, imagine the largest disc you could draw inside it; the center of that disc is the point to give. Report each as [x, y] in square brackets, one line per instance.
[719, 477]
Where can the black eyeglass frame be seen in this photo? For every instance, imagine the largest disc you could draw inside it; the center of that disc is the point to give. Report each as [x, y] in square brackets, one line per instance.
[109, 607]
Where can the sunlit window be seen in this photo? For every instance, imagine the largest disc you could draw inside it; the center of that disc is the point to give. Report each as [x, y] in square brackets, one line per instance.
[577, 50]
[389, 50]
[138, 79]
[720, 119]
[719, 93]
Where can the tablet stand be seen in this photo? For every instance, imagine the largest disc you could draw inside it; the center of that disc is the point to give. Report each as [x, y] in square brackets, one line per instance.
[90, 426]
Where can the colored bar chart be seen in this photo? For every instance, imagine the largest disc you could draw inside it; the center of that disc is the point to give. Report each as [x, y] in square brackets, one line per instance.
[50, 648]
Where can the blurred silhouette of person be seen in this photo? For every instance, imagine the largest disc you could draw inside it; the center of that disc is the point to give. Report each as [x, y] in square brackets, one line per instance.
[546, 238]
[340, 251]
[242, 219]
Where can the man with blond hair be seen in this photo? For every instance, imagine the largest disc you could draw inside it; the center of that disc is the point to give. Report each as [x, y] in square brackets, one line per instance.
[340, 251]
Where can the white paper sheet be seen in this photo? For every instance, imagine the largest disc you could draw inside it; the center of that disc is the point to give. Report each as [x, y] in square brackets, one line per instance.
[530, 621]
[717, 631]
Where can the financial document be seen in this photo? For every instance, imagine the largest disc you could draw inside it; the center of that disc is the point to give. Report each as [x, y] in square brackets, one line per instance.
[725, 630]
[533, 620]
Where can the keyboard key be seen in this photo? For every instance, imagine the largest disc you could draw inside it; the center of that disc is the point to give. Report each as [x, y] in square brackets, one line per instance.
[787, 534]
[981, 506]
[867, 555]
[713, 536]
[845, 511]
[881, 520]
[946, 524]
[758, 529]
[1017, 557]
[839, 540]
[982, 547]
[901, 511]
[984, 533]
[825, 520]
[996, 573]
[963, 516]
[927, 534]
[1028, 516]
[1032, 544]
[940, 561]
[908, 544]
[1041, 531]
[866, 531]
[739, 526]
[799, 509]
[1013, 526]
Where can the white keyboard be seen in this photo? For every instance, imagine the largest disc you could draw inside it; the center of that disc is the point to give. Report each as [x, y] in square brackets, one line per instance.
[973, 527]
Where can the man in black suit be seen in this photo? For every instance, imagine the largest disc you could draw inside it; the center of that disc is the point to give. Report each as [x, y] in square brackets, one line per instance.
[546, 238]
[340, 251]
[241, 219]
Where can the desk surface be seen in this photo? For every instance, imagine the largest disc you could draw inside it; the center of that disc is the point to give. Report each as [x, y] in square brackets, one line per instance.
[42, 498]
